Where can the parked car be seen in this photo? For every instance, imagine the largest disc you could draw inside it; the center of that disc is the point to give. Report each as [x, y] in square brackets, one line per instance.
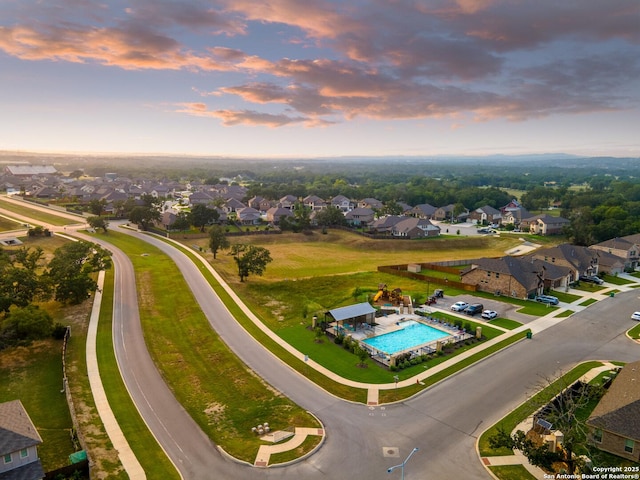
[489, 314]
[474, 309]
[591, 279]
[635, 316]
[459, 306]
[548, 299]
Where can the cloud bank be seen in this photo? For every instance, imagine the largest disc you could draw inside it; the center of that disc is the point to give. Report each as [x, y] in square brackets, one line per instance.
[320, 62]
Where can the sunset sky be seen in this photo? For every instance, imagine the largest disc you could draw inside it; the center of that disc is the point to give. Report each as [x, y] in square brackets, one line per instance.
[308, 78]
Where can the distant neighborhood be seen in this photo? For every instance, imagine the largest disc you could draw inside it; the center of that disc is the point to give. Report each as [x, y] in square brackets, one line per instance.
[518, 276]
[44, 183]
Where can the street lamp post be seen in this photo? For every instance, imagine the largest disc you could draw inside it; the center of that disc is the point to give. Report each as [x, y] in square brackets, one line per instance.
[401, 466]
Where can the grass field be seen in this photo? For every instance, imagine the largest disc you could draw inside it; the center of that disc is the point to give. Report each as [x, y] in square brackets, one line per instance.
[34, 375]
[297, 256]
[8, 225]
[37, 215]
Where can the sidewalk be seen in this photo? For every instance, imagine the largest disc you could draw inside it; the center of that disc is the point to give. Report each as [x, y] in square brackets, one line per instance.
[126, 455]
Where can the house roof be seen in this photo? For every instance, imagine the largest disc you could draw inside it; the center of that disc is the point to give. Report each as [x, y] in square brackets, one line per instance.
[406, 224]
[618, 243]
[29, 471]
[17, 431]
[619, 409]
[547, 219]
[582, 258]
[526, 271]
[424, 209]
[30, 169]
[489, 210]
[351, 311]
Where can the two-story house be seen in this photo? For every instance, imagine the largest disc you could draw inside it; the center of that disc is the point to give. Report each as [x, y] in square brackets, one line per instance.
[19, 440]
[544, 224]
[614, 424]
[626, 248]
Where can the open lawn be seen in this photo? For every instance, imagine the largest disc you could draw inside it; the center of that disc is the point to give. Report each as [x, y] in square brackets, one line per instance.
[511, 472]
[33, 375]
[7, 225]
[38, 215]
[297, 256]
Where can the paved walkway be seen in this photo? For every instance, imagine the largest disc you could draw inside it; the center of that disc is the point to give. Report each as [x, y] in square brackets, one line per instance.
[126, 455]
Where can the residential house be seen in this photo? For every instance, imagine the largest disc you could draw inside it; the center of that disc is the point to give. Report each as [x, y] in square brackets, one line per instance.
[517, 277]
[19, 442]
[581, 260]
[233, 205]
[168, 218]
[288, 201]
[45, 192]
[411, 227]
[614, 424]
[342, 203]
[275, 214]
[248, 216]
[609, 263]
[424, 210]
[360, 217]
[406, 208]
[544, 224]
[626, 248]
[515, 216]
[371, 203]
[443, 213]
[486, 215]
[200, 198]
[513, 213]
[446, 213]
[385, 224]
[259, 203]
[314, 202]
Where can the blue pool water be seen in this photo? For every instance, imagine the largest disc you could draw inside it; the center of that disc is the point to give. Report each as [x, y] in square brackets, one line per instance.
[412, 334]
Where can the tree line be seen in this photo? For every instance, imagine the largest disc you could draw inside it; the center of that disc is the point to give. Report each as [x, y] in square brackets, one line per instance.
[26, 279]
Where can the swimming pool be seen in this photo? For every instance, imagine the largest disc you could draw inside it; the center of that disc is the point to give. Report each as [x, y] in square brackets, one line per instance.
[411, 335]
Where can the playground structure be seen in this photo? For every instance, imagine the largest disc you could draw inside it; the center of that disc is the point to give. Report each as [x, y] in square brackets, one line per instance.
[393, 297]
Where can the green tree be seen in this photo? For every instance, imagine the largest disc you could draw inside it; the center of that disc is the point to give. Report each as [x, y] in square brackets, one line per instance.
[20, 283]
[96, 206]
[98, 223]
[201, 216]
[182, 222]
[330, 216]
[71, 268]
[23, 325]
[217, 240]
[564, 413]
[250, 259]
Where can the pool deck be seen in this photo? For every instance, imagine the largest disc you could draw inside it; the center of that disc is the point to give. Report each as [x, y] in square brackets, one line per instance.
[391, 323]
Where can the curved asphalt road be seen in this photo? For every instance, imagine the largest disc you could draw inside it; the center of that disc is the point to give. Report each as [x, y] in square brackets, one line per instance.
[362, 442]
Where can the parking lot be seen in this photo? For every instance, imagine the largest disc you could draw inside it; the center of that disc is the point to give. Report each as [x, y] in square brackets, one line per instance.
[504, 309]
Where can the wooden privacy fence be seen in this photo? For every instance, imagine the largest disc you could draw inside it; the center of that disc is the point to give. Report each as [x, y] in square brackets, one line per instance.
[402, 271]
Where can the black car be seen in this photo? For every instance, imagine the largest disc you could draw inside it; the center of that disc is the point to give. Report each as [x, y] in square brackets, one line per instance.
[474, 309]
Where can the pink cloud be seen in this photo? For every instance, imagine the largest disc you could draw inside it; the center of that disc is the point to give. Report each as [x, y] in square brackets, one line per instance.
[376, 59]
